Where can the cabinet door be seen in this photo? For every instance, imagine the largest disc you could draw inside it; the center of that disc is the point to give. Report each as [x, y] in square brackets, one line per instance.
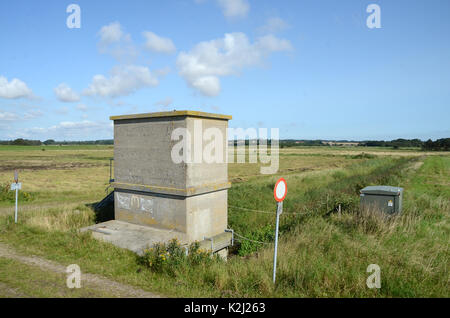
[385, 203]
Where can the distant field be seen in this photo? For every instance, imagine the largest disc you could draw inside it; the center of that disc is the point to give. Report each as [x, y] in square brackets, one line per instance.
[321, 253]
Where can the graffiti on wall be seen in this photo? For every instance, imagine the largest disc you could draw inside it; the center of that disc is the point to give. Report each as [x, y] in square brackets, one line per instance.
[134, 202]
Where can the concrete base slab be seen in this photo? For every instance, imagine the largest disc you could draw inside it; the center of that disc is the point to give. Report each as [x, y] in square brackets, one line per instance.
[133, 237]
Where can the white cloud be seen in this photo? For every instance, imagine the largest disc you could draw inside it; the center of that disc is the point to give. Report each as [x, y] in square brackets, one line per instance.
[207, 61]
[5, 116]
[162, 71]
[123, 80]
[33, 114]
[207, 85]
[65, 94]
[111, 33]
[13, 89]
[273, 25]
[62, 110]
[67, 130]
[166, 102]
[234, 8]
[117, 43]
[271, 43]
[82, 107]
[157, 43]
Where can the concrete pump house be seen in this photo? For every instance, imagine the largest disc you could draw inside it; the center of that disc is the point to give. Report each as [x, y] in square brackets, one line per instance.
[159, 195]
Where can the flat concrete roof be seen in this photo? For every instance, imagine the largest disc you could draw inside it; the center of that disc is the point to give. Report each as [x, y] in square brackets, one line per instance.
[175, 113]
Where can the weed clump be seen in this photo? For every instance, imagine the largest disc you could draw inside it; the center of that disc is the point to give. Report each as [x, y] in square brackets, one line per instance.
[10, 196]
[345, 201]
[364, 155]
[369, 221]
[264, 234]
[338, 175]
[171, 257]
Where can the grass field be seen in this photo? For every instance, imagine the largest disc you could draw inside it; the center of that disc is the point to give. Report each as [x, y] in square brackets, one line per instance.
[321, 253]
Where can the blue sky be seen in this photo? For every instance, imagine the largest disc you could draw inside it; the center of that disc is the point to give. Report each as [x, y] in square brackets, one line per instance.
[311, 68]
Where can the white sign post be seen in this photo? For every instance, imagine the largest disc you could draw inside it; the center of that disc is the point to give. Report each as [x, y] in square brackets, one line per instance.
[16, 186]
[279, 192]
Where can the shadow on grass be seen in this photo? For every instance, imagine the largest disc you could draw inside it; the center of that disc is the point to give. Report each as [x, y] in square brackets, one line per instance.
[104, 209]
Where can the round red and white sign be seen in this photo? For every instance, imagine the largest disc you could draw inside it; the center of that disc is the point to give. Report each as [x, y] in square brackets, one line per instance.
[280, 190]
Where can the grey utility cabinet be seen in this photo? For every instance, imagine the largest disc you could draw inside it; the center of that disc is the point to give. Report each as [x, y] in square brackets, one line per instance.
[386, 198]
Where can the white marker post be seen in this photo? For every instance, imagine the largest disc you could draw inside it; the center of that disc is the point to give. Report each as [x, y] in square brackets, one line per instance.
[279, 192]
[16, 186]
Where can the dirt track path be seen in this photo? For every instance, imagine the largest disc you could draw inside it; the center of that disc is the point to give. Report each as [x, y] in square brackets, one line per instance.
[6, 291]
[89, 280]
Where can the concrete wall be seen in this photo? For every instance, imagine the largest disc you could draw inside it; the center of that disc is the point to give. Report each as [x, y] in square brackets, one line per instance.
[207, 214]
[166, 211]
[200, 174]
[198, 216]
[142, 150]
[142, 156]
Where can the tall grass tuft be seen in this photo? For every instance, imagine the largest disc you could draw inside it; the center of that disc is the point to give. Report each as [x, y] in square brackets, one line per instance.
[170, 258]
[371, 221]
[65, 218]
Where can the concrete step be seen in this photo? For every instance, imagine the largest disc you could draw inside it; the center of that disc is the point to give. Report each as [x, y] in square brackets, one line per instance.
[133, 237]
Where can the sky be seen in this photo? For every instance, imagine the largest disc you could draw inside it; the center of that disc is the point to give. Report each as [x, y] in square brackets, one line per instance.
[314, 69]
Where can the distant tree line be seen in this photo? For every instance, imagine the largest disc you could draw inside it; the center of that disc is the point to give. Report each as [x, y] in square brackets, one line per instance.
[429, 145]
[439, 145]
[29, 142]
[397, 143]
[21, 142]
[292, 142]
[86, 142]
[282, 143]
